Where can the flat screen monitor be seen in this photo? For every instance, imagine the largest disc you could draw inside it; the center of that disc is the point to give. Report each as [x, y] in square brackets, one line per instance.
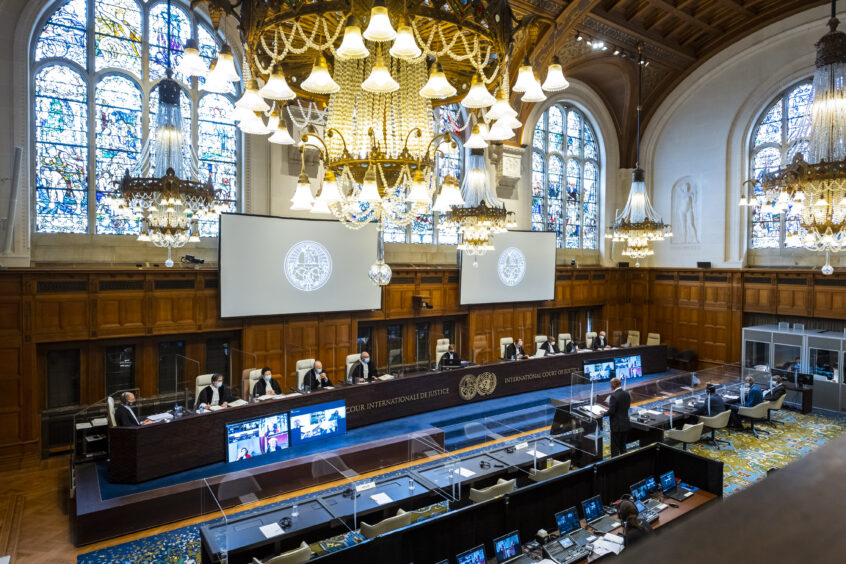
[567, 520]
[472, 556]
[651, 486]
[599, 371]
[246, 439]
[668, 481]
[274, 265]
[521, 268]
[639, 490]
[628, 366]
[592, 508]
[806, 379]
[317, 422]
[639, 506]
[507, 546]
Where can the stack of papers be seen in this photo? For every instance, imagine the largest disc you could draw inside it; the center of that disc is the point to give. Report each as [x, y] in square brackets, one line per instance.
[608, 544]
[237, 402]
[381, 498]
[272, 530]
[160, 417]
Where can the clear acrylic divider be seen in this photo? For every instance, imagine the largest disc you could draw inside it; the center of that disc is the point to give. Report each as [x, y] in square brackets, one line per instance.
[577, 420]
[433, 466]
[241, 363]
[215, 532]
[524, 443]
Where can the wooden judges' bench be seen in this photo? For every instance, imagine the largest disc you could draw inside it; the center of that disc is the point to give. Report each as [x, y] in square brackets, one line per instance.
[138, 454]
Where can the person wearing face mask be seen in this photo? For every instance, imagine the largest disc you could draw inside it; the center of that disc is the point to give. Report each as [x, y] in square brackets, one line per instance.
[266, 384]
[316, 378]
[215, 394]
[363, 370]
[125, 412]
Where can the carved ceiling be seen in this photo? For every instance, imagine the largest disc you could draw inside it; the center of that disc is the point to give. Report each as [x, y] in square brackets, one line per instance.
[676, 36]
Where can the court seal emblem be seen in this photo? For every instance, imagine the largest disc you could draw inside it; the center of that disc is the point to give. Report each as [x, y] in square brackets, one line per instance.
[486, 383]
[467, 387]
[307, 266]
[511, 266]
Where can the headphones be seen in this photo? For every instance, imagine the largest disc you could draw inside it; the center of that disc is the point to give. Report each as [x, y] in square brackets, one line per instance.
[123, 399]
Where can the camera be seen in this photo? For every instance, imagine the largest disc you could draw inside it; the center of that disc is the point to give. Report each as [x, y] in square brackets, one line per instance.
[191, 259]
[426, 305]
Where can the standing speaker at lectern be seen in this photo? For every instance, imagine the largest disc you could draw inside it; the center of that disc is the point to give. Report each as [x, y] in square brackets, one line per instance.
[363, 370]
[266, 384]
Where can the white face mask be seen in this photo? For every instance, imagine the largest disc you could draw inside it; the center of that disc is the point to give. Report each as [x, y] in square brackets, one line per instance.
[318, 370]
[366, 360]
[267, 378]
[218, 384]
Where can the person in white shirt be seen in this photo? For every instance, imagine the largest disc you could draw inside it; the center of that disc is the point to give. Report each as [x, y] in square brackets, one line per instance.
[215, 394]
[363, 370]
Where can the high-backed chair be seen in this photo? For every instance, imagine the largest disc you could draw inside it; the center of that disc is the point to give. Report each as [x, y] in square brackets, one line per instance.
[616, 339]
[688, 434]
[563, 339]
[303, 366]
[775, 405]
[501, 487]
[110, 401]
[503, 343]
[589, 337]
[633, 338]
[442, 342]
[297, 556]
[440, 349]
[249, 377]
[653, 339]
[539, 340]
[351, 359]
[556, 468]
[398, 521]
[756, 413]
[201, 382]
[719, 421]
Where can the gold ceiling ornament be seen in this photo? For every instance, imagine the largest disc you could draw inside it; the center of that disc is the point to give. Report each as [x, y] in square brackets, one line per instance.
[379, 68]
[815, 190]
[638, 225]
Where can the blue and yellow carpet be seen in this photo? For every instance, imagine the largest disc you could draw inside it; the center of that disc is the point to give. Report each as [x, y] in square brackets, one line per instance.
[746, 461]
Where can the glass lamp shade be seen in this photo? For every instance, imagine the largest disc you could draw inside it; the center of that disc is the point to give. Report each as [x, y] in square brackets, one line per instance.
[380, 80]
[525, 78]
[379, 27]
[441, 202]
[419, 193]
[273, 121]
[534, 93]
[404, 45]
[478, 96]
[277, 88]
[510, 122]
[370, 188]
[280, 135]
[743, 201]
[380, 273]
[499, 132]
[477, 140]
[452, 192]
[352, 46]
[192, 64]
[216, 82]
[501, 107]
[320, 204]
[329, 190]
[437, 86]
[320, 81]
[243, 114]
[302, 200]
[250, 99]
[555, 81]
[226, 65]
[254, 126]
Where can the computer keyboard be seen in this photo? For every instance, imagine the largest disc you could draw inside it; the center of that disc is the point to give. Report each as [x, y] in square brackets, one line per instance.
[654, 505]
[649, 516]
[566, 555]
[604, 524]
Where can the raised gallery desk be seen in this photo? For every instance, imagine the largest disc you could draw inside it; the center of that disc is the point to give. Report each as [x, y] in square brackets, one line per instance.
[142, 453]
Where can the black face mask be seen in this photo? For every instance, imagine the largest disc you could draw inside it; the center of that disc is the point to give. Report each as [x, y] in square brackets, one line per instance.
[131, 404]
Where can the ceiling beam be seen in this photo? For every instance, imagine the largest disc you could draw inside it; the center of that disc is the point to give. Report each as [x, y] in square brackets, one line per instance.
[682, 15]
[737, 7]
[565, 23]
[640, 33]
[546, 8]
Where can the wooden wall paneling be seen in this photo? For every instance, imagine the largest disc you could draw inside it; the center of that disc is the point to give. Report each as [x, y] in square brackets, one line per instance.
[301, 342]
[12, 399]
[117, 307]
[174, 310]
[397, 296]
[759, 293]
[563, 288]
[335, 342]
[483, 345]
[793, 294]
[581, 290]
[716, 334]
[829, 297]
[60, 307]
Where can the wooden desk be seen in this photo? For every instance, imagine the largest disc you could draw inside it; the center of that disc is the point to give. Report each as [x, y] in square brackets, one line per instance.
[807, 393]
[138, 454]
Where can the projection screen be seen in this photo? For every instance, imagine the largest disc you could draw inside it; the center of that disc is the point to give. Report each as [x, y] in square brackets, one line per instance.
[520, 269]
[273, 265]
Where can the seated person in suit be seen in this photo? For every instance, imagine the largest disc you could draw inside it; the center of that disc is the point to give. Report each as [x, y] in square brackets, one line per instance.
[754, 396]
[550, 346]
[777, 391]
[266, 384]
[215, 394]
[515, 350]
[714, 403]
[449, 357]
[571, 346]
[635, 528]
[316, 378]
[125, 412]
[600, 342]
[363, 370]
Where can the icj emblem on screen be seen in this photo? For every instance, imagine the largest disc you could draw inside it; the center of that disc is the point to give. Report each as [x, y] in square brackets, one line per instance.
[308, 266]
[511, 266]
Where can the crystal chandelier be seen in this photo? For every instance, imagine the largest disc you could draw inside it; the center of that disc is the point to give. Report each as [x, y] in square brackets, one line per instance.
[638, 224]
[379, 71]
[169, 207]
[816, 189]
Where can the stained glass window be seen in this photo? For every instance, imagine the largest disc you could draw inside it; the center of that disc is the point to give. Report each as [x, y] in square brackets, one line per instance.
[565, 178]
[773, 144]
[84, 144]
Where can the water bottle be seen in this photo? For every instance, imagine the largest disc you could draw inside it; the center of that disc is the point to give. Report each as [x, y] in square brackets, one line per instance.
[295, 511]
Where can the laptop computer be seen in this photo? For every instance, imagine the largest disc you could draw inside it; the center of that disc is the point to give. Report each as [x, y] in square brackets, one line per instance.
[451, 362]
[671, 490]
[569, 525]
[640, 492]
[475, 555]
[596, 517]
[508, 549]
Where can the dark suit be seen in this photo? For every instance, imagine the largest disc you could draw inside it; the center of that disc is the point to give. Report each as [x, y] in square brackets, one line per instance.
[599, 343]
[358, 369]
[550, 348]
[315, 381]
[775, 393]
[718, 405]
[513, 351]
[224, 395]
[449, 355]
[754, 396]
[260, 388]
[125, 417]
[618, 419]
[635, 535]
[570, 347]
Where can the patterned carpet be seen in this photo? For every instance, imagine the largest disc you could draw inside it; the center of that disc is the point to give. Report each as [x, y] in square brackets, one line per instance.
[746, 460]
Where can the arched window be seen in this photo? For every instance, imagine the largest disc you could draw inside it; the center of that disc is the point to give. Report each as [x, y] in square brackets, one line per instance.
[565, 178]
[96, 64]
[774, 143]
[449, 159]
